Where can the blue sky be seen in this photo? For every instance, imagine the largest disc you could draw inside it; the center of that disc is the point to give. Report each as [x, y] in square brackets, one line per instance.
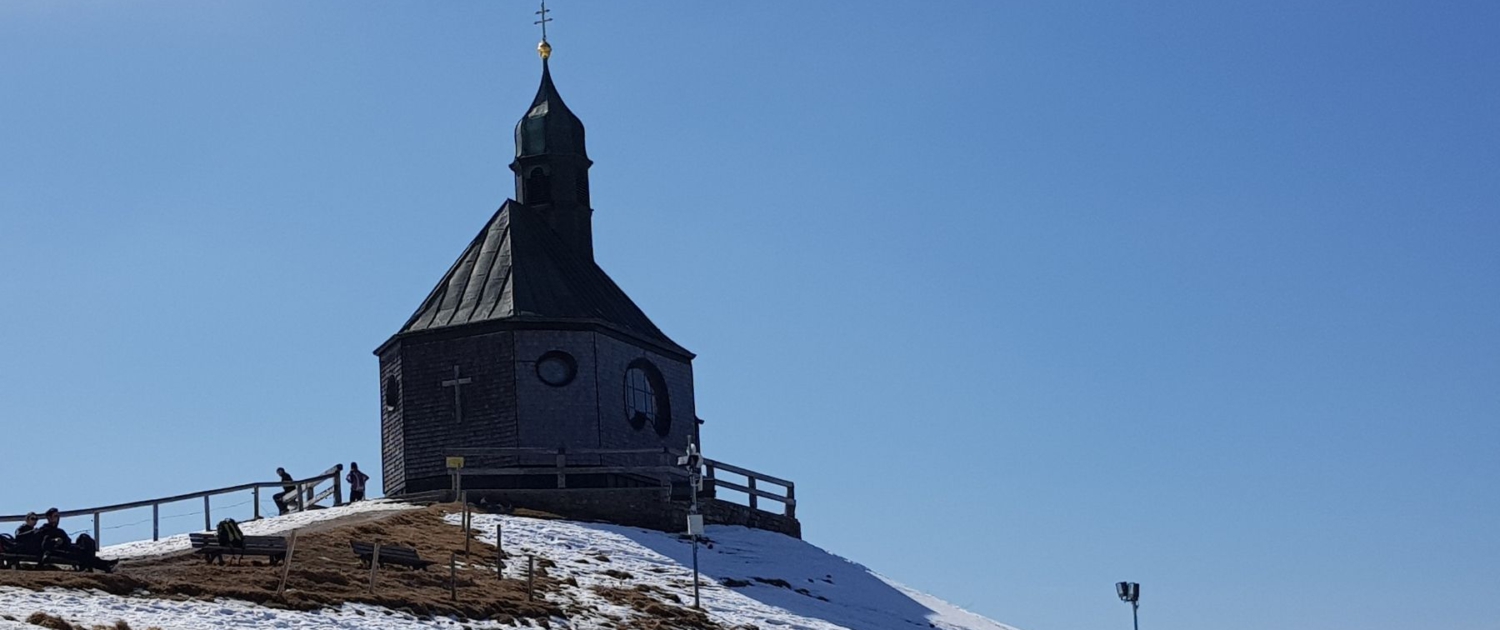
[1028, 297]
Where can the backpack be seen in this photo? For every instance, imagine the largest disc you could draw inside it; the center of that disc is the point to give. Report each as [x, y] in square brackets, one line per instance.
[230, 535]
[86, 545]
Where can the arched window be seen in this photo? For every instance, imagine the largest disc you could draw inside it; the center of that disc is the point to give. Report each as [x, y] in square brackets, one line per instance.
[646, 400]
[538, 186]
[392, 394]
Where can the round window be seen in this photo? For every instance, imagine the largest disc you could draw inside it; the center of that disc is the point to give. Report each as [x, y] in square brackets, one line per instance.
[556, 368]
[646, 398]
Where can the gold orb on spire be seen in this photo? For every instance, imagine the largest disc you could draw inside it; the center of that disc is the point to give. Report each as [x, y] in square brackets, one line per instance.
[544, 49]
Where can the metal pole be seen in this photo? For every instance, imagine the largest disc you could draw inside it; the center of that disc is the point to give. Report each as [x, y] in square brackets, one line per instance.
[530, 578]
[695, 571]
[499, 555]
[693, 481]
[155, 521]
[255, 492]
[453, 575]
[1135, 616]
[207, 520]
[467, 530]
[96, 531]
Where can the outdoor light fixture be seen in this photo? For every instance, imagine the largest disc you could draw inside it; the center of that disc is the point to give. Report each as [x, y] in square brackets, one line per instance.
[1130, 593]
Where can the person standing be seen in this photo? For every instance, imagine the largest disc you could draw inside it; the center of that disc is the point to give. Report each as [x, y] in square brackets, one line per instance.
[288, 489]
[356, 481]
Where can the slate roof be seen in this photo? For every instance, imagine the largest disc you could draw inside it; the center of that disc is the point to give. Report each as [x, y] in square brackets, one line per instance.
[549, 127]
[519, 268]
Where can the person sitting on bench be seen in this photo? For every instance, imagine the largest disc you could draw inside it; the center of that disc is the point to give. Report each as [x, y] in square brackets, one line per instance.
[28, 526]
[288, 487]
[51, 536]
[56, 543]
[27, 541]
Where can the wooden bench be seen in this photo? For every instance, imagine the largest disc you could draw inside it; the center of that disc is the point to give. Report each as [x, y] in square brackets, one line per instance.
[15, 560]
[389, 554]
[57, 559]
[207, 543]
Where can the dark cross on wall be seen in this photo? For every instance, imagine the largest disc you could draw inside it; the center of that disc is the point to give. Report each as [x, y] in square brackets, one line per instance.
[458, 400]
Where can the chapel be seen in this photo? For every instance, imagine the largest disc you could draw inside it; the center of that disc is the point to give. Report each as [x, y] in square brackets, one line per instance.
[526, 355]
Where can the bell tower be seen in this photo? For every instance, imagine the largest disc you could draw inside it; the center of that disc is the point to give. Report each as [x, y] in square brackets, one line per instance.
[552, 165]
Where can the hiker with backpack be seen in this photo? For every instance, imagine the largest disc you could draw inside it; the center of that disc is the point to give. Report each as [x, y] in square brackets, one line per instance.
[288, 488]
[356, 481]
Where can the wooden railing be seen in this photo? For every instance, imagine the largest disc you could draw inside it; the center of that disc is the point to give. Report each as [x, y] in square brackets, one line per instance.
[662, 467]
[754, 486]
[307, 488]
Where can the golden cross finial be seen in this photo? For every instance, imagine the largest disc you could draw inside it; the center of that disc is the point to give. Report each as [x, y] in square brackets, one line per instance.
[544, 49]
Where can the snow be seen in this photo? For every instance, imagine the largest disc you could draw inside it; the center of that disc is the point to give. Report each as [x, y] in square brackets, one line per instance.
[822, 591]
[94, 607]
[779, 583]
[262, 527]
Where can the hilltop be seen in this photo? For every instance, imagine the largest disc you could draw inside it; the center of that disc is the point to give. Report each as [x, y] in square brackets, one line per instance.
[589, 575]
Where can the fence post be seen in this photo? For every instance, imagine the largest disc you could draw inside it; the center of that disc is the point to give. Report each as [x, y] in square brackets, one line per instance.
[467, 530]
[338, 485]
[499, 554]
[207, 520]
[562, 463]
[530, 578]
[374, 564]
[256, 493]
[453, 575]
[286, 569]
[96, 531]
[791, 501]
[155, 521]
[754, 500]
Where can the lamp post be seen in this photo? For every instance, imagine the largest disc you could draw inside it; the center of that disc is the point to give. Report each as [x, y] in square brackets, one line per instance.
[1130, 593]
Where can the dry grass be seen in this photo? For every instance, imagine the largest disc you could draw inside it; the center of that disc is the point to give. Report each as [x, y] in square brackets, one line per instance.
[655, 612]
[48, 621]
[58, 623]
[326, 573]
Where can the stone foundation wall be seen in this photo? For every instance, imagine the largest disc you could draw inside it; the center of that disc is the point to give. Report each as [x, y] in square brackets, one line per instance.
[650, 508]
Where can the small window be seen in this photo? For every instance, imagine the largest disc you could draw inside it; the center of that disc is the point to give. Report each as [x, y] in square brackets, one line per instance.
[646, 398]
[556, 368]
[392, 393]
[538, 187]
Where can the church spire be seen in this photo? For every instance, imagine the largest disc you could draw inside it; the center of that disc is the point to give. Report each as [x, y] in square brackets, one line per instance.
[551, 165]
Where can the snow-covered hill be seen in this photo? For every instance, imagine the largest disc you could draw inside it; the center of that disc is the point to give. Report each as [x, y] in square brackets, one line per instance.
[752, 578]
